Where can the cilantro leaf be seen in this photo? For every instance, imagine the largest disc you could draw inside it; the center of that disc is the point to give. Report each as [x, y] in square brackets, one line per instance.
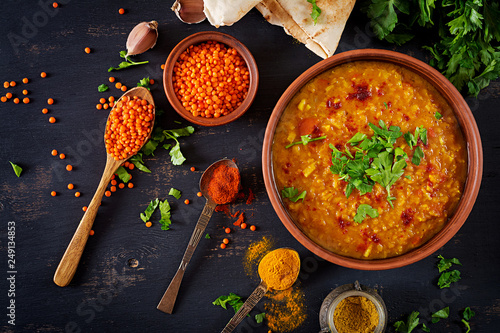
[411, 323]
[185, 131]
[127, 63]
[165, 221]
[122, 173]
[259, 318]
[316, 11]
[438, 115]
[441, 314]
[293, 194]
[144, 82]
[150, 147]
[364, 210]
[357, 138]
[232, 299]
[175, 193]
[382, 15]
[468, 313]
[102, 88]
[150, 210]
[207, 236]
[447, 278]
[444, 264]
[425, 328]
[175, 153]
[139, 163]
[17, 169]
[418, 154]
[305, 139]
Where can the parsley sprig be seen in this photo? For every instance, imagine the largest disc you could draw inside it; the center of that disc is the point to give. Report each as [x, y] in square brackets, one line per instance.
[293, 194]
[305, 139]
[127, 63]
[375, 159]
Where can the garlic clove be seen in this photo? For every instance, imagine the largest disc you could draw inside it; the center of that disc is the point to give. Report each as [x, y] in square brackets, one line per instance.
[189, 11]
[142, 38]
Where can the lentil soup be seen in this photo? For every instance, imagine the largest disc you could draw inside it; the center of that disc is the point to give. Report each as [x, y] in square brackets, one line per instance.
[338, 104]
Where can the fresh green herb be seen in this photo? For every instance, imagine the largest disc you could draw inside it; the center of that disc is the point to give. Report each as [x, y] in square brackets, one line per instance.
[122, 173]
[410, 325]
[144, 82]
[167, 146]
[232, 299]
[316, 11]
[177, 122]
[175, 193]
[412, 139]
[139, 163]
[165, 215]
[444, 264]
[293, 194]
[127, 63]
[364, 210]
[150, 210]
[259, 318]
[149, 147]
[425, 328]
[408, 177]
[418, 154]
[438, 115]
[207, 236]
[102, 88]
[441, 314]
[447, 278]
[466, 51]
[467, 315]
[17, 169]
[357, 138]
[386, 106]
[305, 139]
[175, 152]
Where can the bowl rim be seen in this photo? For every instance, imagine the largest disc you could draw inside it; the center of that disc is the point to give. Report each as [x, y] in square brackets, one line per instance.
[467, 124]
[201, 37]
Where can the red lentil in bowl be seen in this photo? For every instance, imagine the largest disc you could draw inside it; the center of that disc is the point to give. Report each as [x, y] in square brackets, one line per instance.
[332, 105]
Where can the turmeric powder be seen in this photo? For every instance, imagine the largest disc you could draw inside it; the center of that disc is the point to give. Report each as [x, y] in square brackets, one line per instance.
[355, 314]
[279, 268]
[255, 253]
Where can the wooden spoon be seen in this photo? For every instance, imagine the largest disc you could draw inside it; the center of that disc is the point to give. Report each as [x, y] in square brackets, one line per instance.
[69, 262]
[168, 300]
[259, 292]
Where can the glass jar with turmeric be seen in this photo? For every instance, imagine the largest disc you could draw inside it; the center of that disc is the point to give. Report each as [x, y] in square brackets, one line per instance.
[353, 308]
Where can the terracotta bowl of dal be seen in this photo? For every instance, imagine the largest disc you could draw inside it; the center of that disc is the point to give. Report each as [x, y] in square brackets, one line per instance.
[199, 38]
[469, 130]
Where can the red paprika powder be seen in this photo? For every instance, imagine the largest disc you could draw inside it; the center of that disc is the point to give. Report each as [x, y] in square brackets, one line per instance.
[224, 185]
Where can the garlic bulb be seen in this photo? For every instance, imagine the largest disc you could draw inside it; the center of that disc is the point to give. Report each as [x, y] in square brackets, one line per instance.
[189, 11]
[142, 38]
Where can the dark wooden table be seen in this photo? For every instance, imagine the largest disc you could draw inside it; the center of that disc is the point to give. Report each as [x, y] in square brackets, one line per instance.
[109, 292]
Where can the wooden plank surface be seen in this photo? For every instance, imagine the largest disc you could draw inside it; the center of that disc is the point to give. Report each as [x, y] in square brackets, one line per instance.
[126, 267]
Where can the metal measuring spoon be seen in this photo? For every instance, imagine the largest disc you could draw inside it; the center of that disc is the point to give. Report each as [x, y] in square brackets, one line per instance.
[69, 262]
[260, 291]
[168, 300]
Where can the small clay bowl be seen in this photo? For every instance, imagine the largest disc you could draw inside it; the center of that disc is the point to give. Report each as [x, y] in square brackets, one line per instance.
[467, 124]
[199, 38]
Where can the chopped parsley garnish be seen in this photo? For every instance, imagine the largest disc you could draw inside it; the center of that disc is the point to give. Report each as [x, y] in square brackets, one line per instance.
[102, 88]
[17, 169]
[165, 215]
[447, 277]
[364, 210]
[207, 236]
[410, 325]
[418, 154]
[316, 11]
[144, 82]
[127, 63]
[386, 106]
[150, 210]
[441, 314]
[139, 163]
[438, 115]
[293, 194]
[122, 173]
[259, 318]
[232, 299]
[175, 152]
[175, 193]
[375, 159]
[467, 315]
[305, 139]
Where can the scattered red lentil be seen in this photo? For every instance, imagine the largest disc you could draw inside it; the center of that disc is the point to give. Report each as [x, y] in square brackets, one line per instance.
[151, 81]
[25, 92]
[149, 224]
[162, 66]
[131, 166]
[121, 185]
[223, 246]
[111, 79]
[130, 185]
[227, 230]
[8, 95]
[45, 110]
[102, 100]
[54, 152]
[121, 11]
[70, 186]
[192, 169]
[77, 194]
[124, 88]
[107, 193]
[114, 182]
[62, 156]
[6, 84]
[91, 233]
[3, 99]
[118, 85]
[253, 228]
[210, 79]
[50, 101]
[26, 100]
[98, 106]
[199, 194]
[84, 208]
[25, 80]
[113, 188]
[129, 124]
[186, 202]
[87, 50]
[52, 120]
[55, 5]
[53, 193]
[16, 100]
[69, 167]
[243, 225]
[105, 106]
[111, 99]
[12, 83]
[43, 74]
[225, 241]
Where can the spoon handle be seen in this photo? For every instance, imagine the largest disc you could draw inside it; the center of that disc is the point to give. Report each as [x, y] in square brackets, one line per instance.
[168, 300]
[254, 298]
[69, 262]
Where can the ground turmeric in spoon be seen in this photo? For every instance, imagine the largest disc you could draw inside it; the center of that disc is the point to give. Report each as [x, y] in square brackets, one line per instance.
[279, 268]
